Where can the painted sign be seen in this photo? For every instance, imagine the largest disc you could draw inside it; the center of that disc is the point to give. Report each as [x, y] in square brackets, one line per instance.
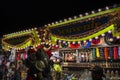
[79, 27]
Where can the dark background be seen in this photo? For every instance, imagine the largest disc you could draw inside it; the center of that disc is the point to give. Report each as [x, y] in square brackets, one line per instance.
[20, 15]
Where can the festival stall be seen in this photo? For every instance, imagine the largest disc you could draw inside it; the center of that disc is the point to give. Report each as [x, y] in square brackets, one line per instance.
[90, 38]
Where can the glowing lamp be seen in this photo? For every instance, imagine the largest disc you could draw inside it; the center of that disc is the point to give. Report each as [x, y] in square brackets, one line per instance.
[90, 39]
[68, 42]
[59, 41]
[45, 25]
[99, 10]
[64, 41]
[60, 20]
[70, 18]
[96, 37]
[106, 7]
[56, 45]
[118, 37]
[80, 15]
[92, 12]
[75, 17]
[56, 22]
[65, 19]
[35, 28]
[111, 39]
[109, 31]
[86, 14]
[78, 42]
[73, 42]
[103, 34]
[48, 24]
[52, 23]
[84, 41]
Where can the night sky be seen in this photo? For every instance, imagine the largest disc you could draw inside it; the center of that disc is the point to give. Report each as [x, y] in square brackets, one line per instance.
[20, 15]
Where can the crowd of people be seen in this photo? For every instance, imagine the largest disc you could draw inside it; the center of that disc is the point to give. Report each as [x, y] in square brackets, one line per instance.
[38, 66]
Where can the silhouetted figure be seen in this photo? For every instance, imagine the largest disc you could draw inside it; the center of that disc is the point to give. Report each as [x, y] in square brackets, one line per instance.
[97, 73]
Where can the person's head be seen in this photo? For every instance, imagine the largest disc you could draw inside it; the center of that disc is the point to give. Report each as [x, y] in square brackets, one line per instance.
[97, 73]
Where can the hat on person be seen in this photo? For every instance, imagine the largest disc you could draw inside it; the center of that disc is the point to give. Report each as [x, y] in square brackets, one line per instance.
[32, 58]
[40, 65]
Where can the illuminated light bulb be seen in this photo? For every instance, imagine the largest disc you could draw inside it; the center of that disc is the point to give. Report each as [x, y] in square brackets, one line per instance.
[44, 38]
[44, 34]
[56, 22]
[86, 14]
[36, 46]
[60, 20]
[92, 12]
[48, 24]
[70, 18]
[78, 42]
[53, 23]
[64, 41]
[56, 45]
[35, 28]
[29, 30]
[73, 42]
[45, 25]
[59, 41]
[106, 7]
[49, 43]
[49, 40]
[26, 30]
[32, 29]
[75, 17]
[96, 37]
[90, 39]
[109, 31]
[38, 35]
[80, 15]
[103, 34]
[111, 39]
[46, 42]
[99, 10]
[68, 42]
[55, 39]
[118, 37]
[53, 44]
[37, 32]
[84, 41]
[65, 19]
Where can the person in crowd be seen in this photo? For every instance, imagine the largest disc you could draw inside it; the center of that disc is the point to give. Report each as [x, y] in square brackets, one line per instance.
[58, 69]
[97, 73]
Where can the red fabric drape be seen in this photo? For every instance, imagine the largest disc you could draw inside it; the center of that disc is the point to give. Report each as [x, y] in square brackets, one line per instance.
[74, 45]
[115, 53]
[106, 52]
